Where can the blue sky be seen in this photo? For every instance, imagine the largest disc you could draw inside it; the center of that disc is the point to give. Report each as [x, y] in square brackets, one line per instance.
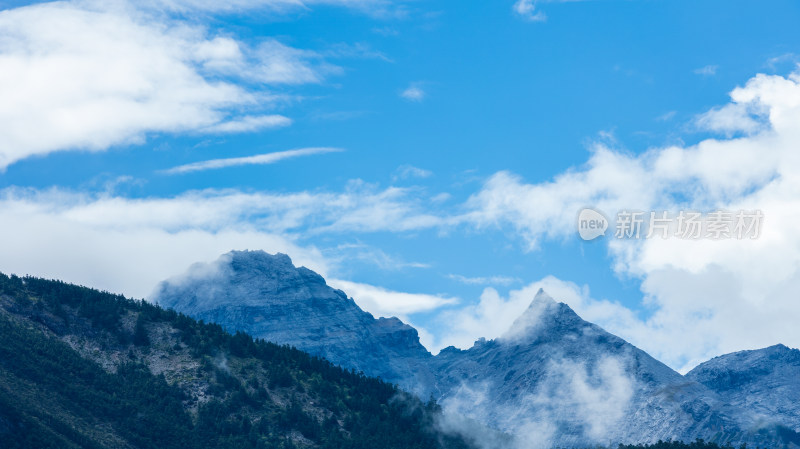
[439, 123]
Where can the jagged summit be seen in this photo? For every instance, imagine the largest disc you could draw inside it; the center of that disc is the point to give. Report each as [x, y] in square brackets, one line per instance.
[268, 297]
[244, 278]
[544, 316]
[278, 265]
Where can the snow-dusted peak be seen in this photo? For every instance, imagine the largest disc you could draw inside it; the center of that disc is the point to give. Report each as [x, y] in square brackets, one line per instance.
[543, 316]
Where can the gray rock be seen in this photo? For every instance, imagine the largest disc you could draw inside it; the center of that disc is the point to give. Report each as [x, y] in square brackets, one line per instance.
[268, 297]
[763, 382]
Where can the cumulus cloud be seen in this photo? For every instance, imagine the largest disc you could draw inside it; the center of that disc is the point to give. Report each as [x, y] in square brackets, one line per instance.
[705, 297]
[88, 76]
[260, 159]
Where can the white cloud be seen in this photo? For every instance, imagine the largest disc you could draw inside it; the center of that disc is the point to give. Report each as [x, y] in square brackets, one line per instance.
[275, 63]
[373, 7]
[88, 76]
[260, 159]
[731, 119]
[527, 10]
[347, 252]
[387, 303]
[248, 123]
[127, 245]
[129, 261]
[413, 93]
[705, 297]
[493, 314]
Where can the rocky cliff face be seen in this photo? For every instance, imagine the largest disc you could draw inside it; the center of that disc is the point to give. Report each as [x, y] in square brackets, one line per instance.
[764, 382]
[268, 297]
[552, 380]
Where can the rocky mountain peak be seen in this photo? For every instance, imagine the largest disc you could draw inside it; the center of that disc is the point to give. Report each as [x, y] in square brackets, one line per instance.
[246, 279]
[268, 297]
[544, 315]
[276, 266]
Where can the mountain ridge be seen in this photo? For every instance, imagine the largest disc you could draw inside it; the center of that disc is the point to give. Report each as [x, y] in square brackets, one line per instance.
[552, 378]
[763, 380]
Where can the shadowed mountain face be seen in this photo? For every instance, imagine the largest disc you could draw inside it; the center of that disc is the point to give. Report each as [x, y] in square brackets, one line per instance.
[766, 382]
[552, 379]
[268, 297]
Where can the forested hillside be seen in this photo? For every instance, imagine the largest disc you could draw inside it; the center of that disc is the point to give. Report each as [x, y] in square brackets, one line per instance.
[83, 368]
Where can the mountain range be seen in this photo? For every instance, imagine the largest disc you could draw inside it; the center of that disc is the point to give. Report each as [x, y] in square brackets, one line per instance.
[552, 379]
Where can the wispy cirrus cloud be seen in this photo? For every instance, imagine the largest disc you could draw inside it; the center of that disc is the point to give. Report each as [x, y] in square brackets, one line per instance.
[379, 8]
[259, 159]
[248, 123]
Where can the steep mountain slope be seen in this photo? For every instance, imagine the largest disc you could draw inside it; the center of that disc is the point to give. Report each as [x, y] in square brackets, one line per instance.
[555, 377]
[268, 297]
[765, 382]
[82, 368]
[552, 380]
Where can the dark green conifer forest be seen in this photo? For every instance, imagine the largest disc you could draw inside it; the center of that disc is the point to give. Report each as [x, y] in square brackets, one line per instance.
[77, 371]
